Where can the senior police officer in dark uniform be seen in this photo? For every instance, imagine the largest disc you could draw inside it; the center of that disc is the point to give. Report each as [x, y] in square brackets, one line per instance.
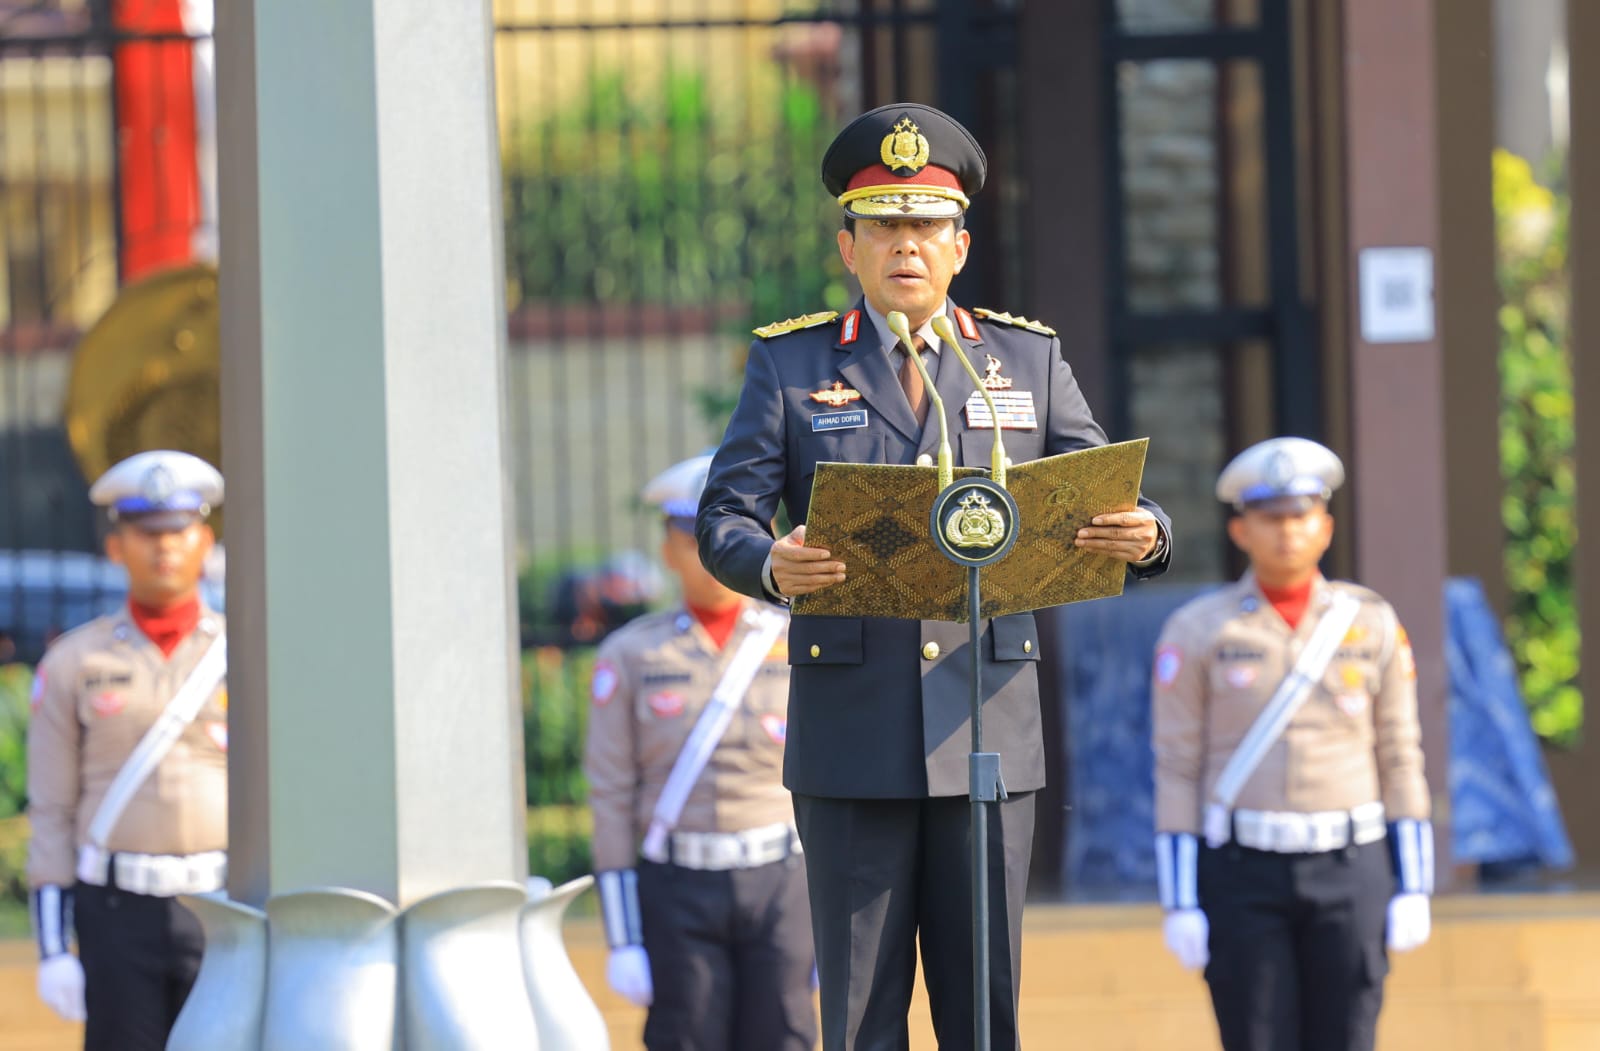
[1292, 815]
[127, 768]
[879, 735]
[711, 928]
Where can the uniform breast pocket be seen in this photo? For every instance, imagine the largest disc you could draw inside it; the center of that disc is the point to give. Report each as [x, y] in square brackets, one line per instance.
[1015, 637]
[852, 445]
[977, 446]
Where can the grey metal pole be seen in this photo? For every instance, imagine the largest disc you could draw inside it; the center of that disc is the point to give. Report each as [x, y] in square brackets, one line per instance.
[982, 778]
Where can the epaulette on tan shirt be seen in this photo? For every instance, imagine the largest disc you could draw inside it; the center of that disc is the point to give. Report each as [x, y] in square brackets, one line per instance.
[652, 680]
[1356, 739]
[96, 692]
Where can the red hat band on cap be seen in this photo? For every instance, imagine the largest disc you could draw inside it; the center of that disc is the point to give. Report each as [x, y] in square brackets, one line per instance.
[880, 175]
[877, 192]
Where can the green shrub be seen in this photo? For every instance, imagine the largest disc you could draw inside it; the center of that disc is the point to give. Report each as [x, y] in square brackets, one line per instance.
[16, 684]
[661, 193]
[558, 842]
[13, 874]
[555, 709]
[1537, 443]
[555, 713]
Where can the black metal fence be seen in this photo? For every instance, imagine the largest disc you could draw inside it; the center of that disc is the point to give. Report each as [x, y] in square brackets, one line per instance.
[662, 198]
[89, 121]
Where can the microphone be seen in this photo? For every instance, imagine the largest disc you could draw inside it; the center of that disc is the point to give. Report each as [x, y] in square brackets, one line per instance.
[997, 457]
[902, 331]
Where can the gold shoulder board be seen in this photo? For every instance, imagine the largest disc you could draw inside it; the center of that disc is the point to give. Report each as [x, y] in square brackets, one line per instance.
[1013, 319]
[794, 324]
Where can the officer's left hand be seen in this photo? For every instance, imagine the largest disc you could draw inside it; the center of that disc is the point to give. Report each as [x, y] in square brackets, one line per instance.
[1410, 922]
[1128, 536]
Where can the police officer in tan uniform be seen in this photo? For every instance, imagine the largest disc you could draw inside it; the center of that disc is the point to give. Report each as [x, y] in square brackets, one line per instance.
[702, 885]
[1293, 841]
[124, 816]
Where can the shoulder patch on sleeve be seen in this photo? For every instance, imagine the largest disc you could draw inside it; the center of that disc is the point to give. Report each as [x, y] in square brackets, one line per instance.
[1017, 320]
[1169, 661]
[795, 324]
[604, 683]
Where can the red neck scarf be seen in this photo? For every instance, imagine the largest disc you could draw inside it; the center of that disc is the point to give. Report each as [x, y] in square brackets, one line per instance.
[719, 623]
[1290, 602]
[169, 626]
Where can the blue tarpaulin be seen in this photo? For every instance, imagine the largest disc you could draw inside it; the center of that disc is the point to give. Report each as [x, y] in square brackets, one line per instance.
[1503, 807]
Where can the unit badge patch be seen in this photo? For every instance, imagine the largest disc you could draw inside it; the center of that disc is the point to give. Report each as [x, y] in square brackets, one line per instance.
[1404, 654]
[777, 727]
[218, 732]
[36, 697]
[604, 683]
[108, 703]
[1169, 661]
[1351, 704]
[1241, 676]
[666, 704]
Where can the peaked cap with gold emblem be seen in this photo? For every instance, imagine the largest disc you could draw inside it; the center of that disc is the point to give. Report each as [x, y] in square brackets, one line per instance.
[904, 160]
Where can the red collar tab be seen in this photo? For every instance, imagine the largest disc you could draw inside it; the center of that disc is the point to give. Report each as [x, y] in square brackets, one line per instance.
[718, 623]
[969, 327]
[850, 328]
[166, 627]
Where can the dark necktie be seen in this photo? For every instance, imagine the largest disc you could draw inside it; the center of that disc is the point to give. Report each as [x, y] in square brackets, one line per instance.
[911, 381]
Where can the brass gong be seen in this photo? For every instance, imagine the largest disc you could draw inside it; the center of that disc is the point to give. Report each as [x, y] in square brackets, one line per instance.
[148, 374]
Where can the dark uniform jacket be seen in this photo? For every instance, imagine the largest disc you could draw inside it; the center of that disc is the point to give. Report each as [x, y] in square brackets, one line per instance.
[872, 715]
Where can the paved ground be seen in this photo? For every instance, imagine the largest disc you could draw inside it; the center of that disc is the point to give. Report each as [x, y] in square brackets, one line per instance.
[1501, 974]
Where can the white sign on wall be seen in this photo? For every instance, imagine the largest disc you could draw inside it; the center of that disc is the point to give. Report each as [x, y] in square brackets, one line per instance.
[1396, 295]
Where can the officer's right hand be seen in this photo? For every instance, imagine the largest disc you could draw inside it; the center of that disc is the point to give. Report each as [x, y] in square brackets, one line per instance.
[61, 986]
[628, 972]
[800, 570]
[1188, 934]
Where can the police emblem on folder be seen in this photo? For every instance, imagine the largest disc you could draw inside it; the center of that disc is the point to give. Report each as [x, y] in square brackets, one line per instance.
[876, 519]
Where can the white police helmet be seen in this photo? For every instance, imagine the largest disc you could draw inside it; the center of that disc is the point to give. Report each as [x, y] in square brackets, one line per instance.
[160, 489]
[1287, 474]
[676, 491]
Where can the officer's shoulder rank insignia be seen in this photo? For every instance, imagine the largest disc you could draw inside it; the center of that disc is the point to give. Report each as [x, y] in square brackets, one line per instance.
[1004, 318]
[795, 324]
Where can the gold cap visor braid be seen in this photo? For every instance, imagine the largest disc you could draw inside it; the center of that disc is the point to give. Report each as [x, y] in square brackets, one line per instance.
[902, 202]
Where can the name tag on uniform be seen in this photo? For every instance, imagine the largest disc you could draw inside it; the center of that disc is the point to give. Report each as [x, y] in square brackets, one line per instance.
[838, 421]
[1014, 406]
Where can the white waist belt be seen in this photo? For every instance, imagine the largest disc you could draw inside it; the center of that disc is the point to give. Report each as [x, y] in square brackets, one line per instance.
[719, 851]
[158, 875]
[1291, 832]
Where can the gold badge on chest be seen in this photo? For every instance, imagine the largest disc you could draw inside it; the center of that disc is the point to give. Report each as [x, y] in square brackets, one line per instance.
[836, 395]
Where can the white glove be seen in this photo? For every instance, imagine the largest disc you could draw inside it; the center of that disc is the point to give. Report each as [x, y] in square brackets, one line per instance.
[628, 972]
[1188, 934]
[61, 986]
[1409, 922]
